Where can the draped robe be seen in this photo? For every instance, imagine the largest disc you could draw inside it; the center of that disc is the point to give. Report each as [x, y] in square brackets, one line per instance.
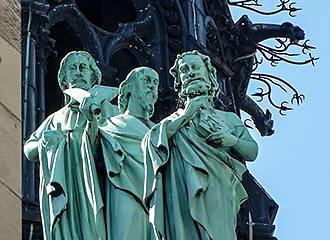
[70, 198]
[126, 214]
[193, 190]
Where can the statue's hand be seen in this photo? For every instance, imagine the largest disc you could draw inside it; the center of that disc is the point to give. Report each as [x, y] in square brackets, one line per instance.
[95, 109]
[90, 108]
[222, 138]
[50, 138]
[194, 105]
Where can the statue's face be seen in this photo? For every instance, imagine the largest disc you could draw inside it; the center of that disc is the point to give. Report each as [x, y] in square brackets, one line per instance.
[78, 73]
[194, 76]
[146, 89]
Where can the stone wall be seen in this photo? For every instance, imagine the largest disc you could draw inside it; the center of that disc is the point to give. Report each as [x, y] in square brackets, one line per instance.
[10, 22]
[10, 120]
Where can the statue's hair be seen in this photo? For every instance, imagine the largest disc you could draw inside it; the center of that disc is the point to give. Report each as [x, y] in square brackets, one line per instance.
[174, 71]
[96, 76]
[125, 88]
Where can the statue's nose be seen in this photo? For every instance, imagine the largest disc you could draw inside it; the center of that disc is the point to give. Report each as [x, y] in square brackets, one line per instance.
[78, 73]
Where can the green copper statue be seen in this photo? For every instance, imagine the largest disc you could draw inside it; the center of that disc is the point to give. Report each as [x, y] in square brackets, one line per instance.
[66, 146]
[193, 186]
[121, 136]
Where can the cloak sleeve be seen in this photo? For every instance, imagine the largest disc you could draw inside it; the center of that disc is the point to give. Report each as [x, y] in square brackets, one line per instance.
[156, 150]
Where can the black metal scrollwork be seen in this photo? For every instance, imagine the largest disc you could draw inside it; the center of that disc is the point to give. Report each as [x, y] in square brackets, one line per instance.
[252, 5]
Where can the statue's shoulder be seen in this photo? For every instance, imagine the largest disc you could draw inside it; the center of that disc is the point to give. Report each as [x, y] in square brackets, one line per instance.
[118, 121]
[122, 120]
[47, 124]
[125, 121]
[230, 117]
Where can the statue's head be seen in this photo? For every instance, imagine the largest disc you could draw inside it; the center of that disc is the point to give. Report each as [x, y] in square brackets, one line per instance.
[194, 75]
[78, 69]
[140, 86]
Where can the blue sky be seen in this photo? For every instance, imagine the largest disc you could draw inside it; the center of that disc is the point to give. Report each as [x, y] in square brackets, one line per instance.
[293, 165]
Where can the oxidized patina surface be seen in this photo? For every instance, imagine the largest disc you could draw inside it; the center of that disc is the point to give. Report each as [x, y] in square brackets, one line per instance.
[122, 35]
[121, 136]
[193, 184]
[65, 144]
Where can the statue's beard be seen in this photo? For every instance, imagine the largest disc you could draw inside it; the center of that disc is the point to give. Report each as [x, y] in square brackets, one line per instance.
[196, 88]
[147, 101]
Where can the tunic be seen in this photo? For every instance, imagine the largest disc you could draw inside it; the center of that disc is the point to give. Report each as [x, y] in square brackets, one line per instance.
[126, 214]
[193, 190]
[70, 199]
